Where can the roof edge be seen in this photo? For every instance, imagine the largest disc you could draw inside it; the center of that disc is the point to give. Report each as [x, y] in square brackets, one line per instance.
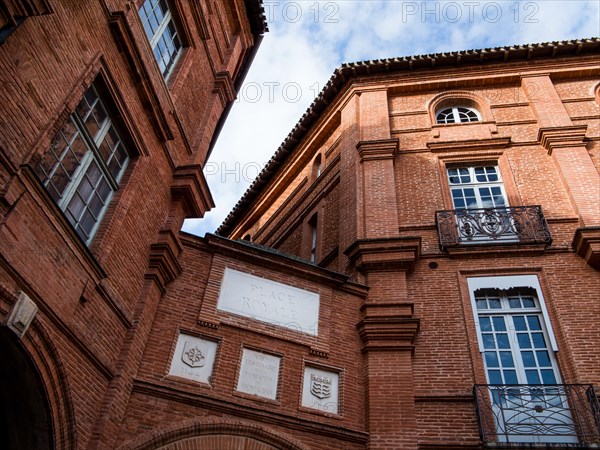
[347, 71]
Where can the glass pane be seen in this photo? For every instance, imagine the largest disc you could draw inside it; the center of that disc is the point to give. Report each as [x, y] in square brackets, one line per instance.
[481, 304]
[538, 340]
[510, 377]
[543, 358]
[502, 339]
[488, 341]
[523, 339]
[495, 377]
[491, 359]
[528, 302]
[87, 223]
[528, 359]
[75, 208]
[514, 303]
[485, 324]
[519, 322]
[548, 376]
[495, 303]
[532, 377]
[534, 323]
[499, 324]
[506, 359]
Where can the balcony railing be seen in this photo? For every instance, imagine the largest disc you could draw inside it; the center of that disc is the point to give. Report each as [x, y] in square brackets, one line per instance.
[517, 224]
[566, 415]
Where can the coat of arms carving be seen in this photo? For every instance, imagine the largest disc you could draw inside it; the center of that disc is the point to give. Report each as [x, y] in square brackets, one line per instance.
[320, 386]
[193, 355]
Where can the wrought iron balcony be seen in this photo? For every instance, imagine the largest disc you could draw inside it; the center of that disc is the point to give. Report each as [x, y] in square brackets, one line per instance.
[565, 415]
[517, 224]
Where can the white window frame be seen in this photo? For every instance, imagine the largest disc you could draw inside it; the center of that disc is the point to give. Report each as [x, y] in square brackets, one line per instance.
[505, 283]
[159, 32]
[477, 185]
[456, 115]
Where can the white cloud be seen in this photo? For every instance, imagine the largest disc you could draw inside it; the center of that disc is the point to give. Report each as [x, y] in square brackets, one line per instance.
[309, 39]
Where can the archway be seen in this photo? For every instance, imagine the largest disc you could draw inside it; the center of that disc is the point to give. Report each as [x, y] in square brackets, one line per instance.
[25, 417]
[213, 433]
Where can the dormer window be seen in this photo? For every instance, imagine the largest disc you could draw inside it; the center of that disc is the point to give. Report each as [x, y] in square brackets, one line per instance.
[457, 114]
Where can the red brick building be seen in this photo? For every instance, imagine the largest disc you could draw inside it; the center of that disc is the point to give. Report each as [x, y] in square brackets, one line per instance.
[460, 195]
[102, 145]
[430, 228]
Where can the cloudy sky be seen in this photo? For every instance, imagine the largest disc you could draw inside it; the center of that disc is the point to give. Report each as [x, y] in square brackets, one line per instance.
[309, 39]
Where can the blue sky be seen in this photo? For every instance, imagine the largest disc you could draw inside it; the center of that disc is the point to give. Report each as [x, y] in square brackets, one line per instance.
[309, 39]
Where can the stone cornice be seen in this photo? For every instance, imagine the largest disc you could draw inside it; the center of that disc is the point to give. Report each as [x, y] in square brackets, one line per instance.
[384, 254]
[190, 187]
[379, 149]
[469, 144]
[562, 137]
[164, 265]
[388, 326]
[586, 243]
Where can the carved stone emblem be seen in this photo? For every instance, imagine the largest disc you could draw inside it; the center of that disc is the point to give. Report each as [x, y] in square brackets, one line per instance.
[192, 355]
[320, 386]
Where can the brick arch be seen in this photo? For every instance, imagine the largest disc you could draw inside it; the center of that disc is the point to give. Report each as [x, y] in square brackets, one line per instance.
[210, 434]
[45, 365]
[459, 98]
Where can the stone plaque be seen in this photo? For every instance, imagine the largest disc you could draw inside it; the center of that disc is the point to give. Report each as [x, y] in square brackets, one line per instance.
[194, 358]
[259, 374]
[321, 390]
[269, 301]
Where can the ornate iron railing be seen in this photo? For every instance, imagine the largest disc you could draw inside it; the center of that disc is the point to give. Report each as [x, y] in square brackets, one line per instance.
[516, 224]
[563, 414]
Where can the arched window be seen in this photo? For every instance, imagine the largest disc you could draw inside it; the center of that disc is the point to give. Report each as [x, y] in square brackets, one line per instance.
[457, 114]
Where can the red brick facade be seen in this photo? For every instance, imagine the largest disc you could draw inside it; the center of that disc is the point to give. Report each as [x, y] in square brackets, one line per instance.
[67, 381]
[148, 338]
[382, 199]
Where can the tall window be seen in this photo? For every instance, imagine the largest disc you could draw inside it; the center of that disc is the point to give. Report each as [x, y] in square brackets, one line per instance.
[517, 346]
[457, 114]
[83, 167]
[515, 342]
[312, 223]
[476, 187]
[162, 33]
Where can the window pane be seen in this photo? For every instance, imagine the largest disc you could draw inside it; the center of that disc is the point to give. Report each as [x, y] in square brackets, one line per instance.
[507, 359]
[510, 377]
[514, 303]
[481, 304]
[548, 376]
[523, 339]
[532, 377]
[499, 324]
[485, 324]
[538, 340]
[528, 359]
[534, 323]
[519, 322]
[502, 339]
[543, 358]
[488, 341]
[495, 377]
[495, 303]
[491, 359]
[528, 302]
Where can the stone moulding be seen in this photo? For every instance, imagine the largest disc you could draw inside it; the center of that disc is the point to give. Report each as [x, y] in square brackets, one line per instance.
[586, 243]
[400, 253]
